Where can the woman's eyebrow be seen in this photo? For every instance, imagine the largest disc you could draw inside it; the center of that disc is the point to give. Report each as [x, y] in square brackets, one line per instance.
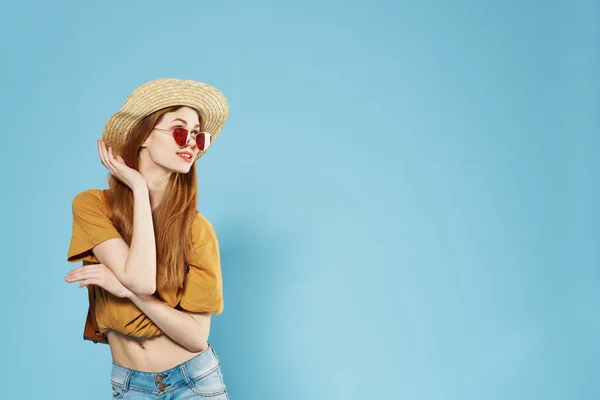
[184, 121]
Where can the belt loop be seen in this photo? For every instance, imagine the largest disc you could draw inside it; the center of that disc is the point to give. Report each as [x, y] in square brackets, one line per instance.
[127, 379]
[215, 354]
[185, 375]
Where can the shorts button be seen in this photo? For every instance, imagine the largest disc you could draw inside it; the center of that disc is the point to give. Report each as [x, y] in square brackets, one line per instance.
[161, 386]
[159, 378]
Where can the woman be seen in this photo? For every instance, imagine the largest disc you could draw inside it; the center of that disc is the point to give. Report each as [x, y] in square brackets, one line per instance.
[150, 259]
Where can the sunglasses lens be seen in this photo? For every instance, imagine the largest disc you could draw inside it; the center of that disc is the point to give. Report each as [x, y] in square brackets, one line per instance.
[181, 136]
[203, 140]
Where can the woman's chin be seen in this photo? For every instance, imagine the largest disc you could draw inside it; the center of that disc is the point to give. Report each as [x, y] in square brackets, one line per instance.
[181, 169]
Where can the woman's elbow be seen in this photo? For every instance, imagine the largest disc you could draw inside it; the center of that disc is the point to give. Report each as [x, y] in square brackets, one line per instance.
[198, 346]
[142, 289]
[144, 292]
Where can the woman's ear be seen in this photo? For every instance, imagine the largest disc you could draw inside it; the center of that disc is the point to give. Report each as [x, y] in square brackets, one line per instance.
[145, 142]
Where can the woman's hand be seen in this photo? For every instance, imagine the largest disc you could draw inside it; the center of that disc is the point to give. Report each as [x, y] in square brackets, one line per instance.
[99, 275]
[117, 167]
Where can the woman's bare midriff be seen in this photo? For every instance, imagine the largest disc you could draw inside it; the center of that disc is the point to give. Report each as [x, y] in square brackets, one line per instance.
[148, 354]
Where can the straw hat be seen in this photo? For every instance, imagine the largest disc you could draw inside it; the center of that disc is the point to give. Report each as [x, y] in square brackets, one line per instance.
[165, 92]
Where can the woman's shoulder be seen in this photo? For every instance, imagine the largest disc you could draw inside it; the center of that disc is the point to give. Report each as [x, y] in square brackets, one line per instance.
[94, 198]
[202, 230]
[90, 194]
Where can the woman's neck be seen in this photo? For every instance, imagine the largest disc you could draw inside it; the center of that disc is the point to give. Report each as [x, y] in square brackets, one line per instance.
[157, 180]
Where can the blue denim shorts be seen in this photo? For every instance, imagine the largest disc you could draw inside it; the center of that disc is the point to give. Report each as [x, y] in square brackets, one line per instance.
[199, 377]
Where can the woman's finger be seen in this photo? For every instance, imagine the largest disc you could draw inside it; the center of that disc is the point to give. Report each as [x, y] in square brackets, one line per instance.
[90, 281]
[115, 163]
[111, 157]
[111, 162]
[105, 159]
[89, 269]
[102, 153]
[78, 275]
[82, 276]
[85, 268]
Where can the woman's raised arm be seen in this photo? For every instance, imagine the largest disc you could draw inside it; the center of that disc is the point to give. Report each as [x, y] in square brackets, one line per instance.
[135, 267]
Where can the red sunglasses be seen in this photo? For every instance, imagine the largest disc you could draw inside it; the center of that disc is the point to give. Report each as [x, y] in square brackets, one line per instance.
[182, 137]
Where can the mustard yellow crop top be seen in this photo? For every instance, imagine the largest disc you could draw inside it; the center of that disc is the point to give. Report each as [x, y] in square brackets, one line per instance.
[203, 285]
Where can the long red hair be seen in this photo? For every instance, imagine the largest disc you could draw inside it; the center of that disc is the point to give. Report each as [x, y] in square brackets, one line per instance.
[172, 218]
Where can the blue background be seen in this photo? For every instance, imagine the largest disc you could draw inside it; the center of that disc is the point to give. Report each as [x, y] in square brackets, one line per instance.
[405, 193]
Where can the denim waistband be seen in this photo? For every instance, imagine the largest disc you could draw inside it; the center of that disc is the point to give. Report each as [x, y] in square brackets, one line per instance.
[165, 381]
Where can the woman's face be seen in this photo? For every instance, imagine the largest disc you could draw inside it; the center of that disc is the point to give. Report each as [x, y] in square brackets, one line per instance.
[163, 151]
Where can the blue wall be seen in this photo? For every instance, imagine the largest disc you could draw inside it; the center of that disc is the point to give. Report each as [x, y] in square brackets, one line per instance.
[405, 193]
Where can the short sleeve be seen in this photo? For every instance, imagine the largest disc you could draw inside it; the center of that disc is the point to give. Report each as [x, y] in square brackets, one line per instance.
[203, 285]
[91, 225]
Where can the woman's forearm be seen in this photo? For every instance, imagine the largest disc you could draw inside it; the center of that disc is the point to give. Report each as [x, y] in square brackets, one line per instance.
[190, 332]
[140, 267]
